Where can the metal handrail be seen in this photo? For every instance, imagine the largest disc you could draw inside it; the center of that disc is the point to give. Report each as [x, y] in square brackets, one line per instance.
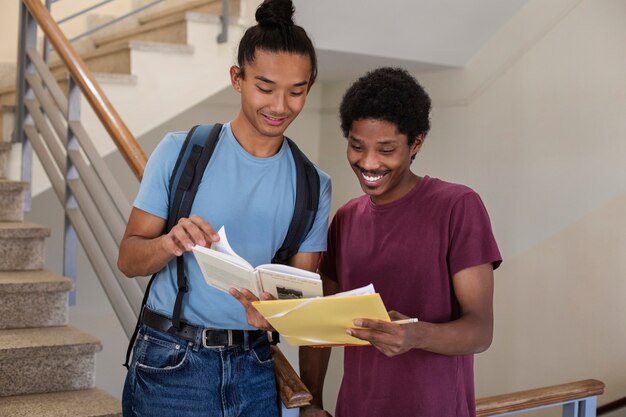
[117, 19]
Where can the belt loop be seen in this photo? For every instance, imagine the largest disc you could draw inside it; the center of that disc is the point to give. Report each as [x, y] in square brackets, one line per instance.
[198, 339]
[246, 340]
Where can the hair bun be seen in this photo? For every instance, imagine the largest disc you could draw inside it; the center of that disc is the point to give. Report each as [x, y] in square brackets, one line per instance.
[275, 13]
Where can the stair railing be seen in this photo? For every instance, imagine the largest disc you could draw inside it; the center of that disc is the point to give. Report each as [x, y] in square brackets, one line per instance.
[578, 399]
[49, 122]
[221, 38]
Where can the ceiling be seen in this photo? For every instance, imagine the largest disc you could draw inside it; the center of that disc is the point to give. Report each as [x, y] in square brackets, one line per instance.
[352, 36]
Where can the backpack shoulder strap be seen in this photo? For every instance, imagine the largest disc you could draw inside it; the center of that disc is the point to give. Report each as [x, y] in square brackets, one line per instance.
[196, 153]
[192, 160]
[305, 210]
[201, 138]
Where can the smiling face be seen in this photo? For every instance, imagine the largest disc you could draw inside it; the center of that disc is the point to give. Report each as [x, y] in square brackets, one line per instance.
[273, 91]
[381, 159]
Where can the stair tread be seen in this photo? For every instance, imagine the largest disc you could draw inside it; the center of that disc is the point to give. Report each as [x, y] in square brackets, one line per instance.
[12, 185]
[33, 281]
[82, 403]
[151, 16]
[42, 340]
[108, 39]
[23, 230]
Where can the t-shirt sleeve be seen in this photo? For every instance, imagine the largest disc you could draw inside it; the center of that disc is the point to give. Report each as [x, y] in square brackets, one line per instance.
[471, 238]
[153, 195]
[315, 240]
[327, 265]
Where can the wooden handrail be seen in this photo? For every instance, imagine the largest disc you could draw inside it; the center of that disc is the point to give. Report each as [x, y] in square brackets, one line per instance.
[112, 122]
[538, 397]
[291, 389]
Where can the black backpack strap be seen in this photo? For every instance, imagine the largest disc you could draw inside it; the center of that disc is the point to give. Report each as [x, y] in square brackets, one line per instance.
[305, 210]
[199, 146]
[192, 160]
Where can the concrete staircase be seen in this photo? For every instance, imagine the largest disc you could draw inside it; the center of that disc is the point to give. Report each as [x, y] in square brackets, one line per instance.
[46, 367]
[152, 68]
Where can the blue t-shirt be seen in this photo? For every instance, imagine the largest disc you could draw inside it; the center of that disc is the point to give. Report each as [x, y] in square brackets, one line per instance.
[253, 198]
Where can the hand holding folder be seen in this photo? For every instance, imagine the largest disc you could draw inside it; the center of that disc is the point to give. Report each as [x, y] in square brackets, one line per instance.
[322, 320]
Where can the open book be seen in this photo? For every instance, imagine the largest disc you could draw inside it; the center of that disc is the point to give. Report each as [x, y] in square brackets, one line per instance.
[224, 269]
[323, 321]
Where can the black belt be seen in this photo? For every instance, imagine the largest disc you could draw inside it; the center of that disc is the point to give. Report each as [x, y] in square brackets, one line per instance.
[210, 337]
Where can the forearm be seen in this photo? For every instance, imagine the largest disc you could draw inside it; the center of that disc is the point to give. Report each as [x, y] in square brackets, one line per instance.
[140, 256]
[469, 334]
[313, 365]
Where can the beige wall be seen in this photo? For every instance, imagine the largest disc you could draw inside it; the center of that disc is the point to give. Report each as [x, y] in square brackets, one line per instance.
[536, 125]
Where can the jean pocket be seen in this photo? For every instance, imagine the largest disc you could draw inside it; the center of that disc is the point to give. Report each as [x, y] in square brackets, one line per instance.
[261, 353]
[158, 354]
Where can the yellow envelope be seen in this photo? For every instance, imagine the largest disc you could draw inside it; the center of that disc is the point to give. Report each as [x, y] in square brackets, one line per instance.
[321, 320]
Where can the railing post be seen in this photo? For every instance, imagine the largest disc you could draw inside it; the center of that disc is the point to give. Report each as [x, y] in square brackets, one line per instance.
[225, 18]
[46, 45]
[70, 241]
[27, 39]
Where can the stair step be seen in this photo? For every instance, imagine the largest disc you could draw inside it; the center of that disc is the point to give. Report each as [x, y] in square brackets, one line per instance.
[5, 150]
[11, 200]
[46, 359]
[170, 30]
[21, 246]
[212, 7]
[7, 115]
[83, 403]
[33, 299]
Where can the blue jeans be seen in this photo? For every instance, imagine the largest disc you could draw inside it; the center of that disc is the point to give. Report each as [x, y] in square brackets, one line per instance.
[171, 377]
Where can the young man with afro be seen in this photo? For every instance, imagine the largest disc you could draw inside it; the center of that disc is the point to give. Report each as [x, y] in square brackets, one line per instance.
[428, 248]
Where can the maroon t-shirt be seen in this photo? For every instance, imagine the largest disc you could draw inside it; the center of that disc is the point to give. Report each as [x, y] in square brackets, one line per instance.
[409, 249]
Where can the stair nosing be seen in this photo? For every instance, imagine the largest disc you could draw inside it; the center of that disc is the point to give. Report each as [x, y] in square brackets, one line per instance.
[163, 14]
[29, 405]
[42, 281]
[170, 48]
[44, 341]
[138, 30]
[26, 230]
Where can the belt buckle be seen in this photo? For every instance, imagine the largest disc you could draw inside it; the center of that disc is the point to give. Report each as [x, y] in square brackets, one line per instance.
[204, 337]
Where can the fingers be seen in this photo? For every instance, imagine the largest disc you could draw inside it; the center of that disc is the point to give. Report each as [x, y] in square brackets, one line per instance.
[267, 296]
[245, 297]
[378, 325]
[189, 232]
[254, 318]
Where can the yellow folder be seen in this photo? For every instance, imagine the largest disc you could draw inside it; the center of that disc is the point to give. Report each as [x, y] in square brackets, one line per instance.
[321, 320]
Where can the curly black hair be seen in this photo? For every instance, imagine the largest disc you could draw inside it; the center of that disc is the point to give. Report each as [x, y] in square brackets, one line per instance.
[389, 94]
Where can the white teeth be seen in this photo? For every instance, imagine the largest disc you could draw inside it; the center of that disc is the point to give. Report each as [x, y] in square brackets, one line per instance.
[370, 178]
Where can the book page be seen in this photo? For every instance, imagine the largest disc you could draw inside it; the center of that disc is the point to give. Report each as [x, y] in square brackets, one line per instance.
[223, 246]
[285, 286]
[224, 271]
[368, 289]
[289, 270]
